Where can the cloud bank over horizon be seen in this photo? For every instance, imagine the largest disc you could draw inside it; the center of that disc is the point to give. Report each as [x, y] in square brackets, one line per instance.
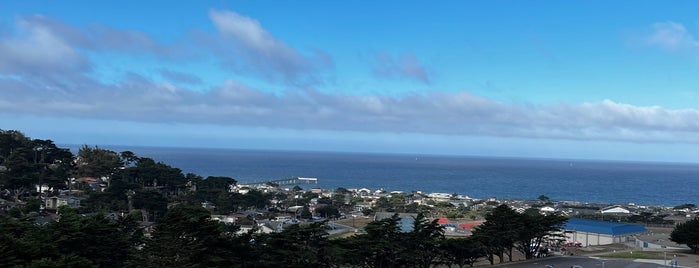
[46, 69]
[460, 113]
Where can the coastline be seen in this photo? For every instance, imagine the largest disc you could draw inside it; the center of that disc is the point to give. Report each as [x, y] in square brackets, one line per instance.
[605, 182]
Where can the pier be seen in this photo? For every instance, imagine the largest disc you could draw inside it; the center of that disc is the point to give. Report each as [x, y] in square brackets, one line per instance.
[281, 182]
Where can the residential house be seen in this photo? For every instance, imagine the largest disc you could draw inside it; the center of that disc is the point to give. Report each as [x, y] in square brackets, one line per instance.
[227, 219]
[615, 210]
[406, 219]
[54, 202]
[547, 210]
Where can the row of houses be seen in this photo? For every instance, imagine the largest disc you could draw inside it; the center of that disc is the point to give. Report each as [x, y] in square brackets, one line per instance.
[578, 232]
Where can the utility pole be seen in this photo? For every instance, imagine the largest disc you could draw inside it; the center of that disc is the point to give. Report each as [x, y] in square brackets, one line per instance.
[354, 217]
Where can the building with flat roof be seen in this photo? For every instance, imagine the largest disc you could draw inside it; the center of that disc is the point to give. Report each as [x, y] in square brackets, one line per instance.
[406, 219]
[592, 232]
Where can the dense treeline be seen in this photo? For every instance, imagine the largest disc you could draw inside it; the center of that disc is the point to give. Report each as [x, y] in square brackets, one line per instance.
[26, 162]
[133, 182]
[112, 226]
[187, 237]
[73, 241]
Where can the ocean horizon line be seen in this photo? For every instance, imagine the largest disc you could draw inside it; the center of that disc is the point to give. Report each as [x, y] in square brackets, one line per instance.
[75, 147]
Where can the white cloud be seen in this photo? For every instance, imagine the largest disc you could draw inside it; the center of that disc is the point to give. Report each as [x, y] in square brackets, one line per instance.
[254, 49]
[248, 31]
[673, 36]
[41, 46]
[38, 49]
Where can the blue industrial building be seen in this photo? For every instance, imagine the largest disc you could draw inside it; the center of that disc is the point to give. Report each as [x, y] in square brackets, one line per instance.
[592, 232]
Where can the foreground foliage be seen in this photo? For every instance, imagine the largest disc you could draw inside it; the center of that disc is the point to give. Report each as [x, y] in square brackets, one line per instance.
[687, 233]
[187, 237]
[74, 241]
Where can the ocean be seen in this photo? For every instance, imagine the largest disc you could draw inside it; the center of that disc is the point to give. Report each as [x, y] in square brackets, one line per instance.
[586, 181]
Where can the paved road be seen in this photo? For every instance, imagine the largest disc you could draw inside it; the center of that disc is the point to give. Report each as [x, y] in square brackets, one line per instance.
[584, 262]
[336, 228]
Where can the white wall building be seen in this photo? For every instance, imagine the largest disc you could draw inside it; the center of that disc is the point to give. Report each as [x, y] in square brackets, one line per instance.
[593, 233]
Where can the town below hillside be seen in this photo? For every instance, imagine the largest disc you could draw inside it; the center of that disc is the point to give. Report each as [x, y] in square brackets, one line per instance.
[117, 209]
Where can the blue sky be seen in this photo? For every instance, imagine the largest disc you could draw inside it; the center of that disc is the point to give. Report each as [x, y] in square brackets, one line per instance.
[552, 79]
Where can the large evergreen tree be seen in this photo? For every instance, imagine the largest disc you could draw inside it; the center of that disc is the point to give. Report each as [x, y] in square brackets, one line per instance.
[461, 251]
[687, 233]
[534, 230]
[423, 241]
[104, 242]
[383, 242]
[297, 246]
[505, 230]
[74, 241]
[26, 162]
[499, 232]
[97, 162]
[187, 237]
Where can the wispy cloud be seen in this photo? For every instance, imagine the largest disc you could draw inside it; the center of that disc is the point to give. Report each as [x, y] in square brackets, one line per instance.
[42, 45]
[673, 36]
[405, 66]
[249, 47]
[99, 37]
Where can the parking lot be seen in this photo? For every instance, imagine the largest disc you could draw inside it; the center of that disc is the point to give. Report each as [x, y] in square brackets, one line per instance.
[584, 262]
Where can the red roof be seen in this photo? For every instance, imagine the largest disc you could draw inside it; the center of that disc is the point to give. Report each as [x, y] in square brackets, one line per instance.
[442, 221]
[469, 225]
[87, 179]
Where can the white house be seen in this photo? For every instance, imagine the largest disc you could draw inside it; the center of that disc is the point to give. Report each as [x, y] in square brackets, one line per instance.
[56, 201]
[261, 228]
[43, 188]
[547, 210]
[364, 191]
[228, 219]
[440, 196]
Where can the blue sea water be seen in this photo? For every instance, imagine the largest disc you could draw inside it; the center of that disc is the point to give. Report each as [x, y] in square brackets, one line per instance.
[478, 177]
